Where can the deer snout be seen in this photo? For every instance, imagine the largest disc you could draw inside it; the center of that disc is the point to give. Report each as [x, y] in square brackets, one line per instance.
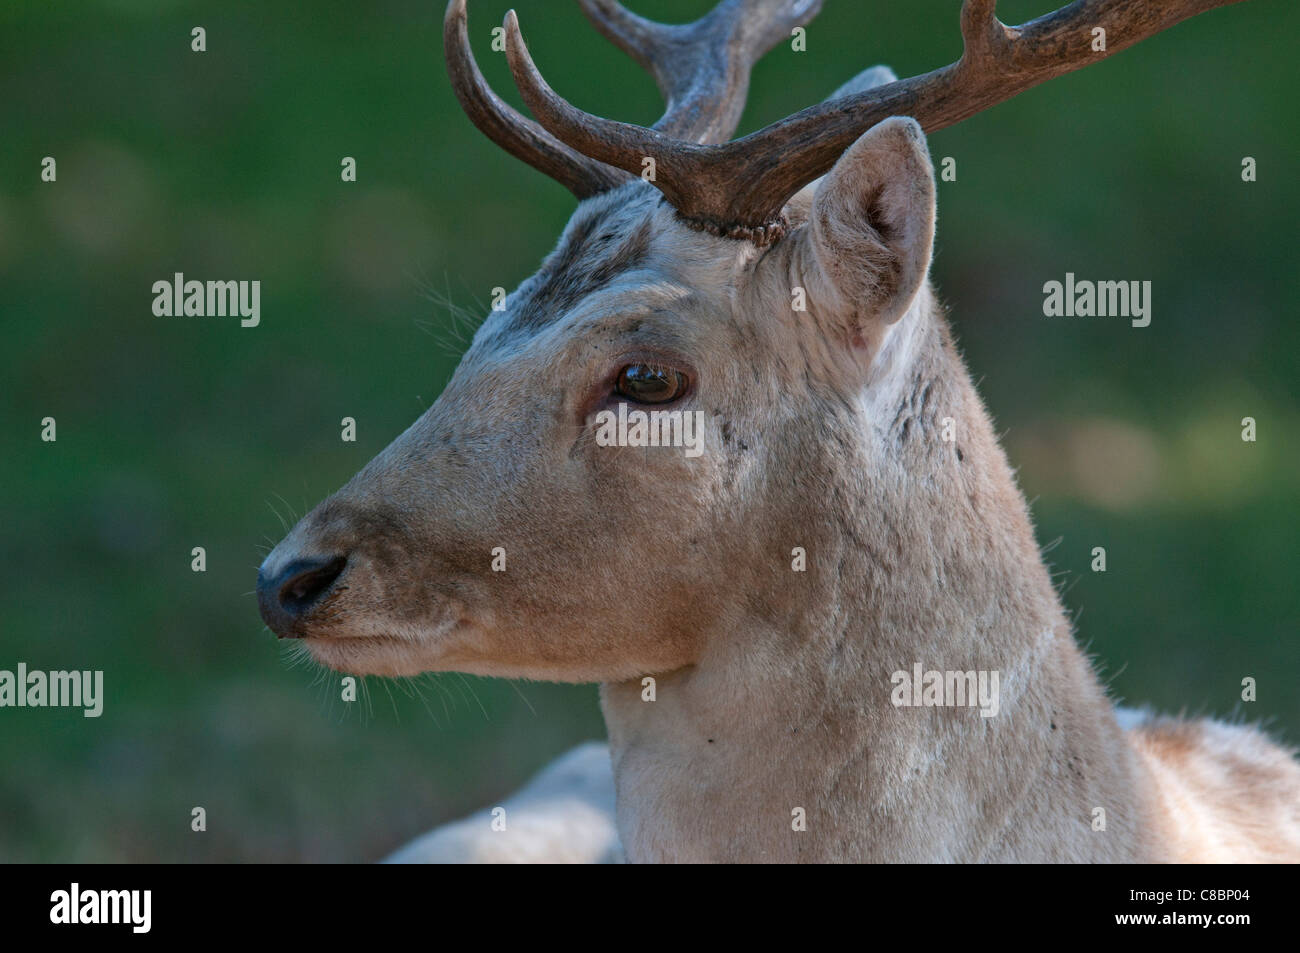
[287, 596]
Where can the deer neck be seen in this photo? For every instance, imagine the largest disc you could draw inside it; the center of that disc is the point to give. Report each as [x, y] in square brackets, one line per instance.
[783, 742]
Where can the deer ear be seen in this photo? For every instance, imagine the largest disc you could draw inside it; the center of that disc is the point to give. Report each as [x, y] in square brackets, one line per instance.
[871, 227]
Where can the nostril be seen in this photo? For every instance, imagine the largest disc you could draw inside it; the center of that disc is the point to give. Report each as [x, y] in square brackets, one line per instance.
[306, 583]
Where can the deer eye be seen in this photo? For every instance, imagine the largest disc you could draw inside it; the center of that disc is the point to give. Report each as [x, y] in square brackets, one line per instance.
[649, 384]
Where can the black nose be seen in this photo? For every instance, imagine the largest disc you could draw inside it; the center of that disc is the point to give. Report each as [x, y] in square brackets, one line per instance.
[285, 598]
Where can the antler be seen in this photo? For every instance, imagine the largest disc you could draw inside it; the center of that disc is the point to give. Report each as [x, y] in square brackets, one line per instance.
[518, 135]
[739, 189]
[702, 69]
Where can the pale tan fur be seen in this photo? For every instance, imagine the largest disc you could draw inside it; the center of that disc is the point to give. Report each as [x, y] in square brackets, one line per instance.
[565, 815]
[773, 686]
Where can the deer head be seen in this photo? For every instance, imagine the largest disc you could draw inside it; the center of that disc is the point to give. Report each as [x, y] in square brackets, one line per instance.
[775, 285]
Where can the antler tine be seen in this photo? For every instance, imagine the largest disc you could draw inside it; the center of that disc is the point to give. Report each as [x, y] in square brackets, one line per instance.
[702, 68]
[739, 188]
[517, 134]
[997, 63]
[620, 144]
[636, 36]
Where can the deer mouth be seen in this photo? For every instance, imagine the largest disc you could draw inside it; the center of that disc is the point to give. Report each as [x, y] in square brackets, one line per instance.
[364, 654]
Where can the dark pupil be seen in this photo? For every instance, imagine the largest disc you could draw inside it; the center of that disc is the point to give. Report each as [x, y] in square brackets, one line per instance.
[649, 385]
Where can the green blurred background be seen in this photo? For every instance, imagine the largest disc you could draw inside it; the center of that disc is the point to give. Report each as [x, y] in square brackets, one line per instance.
[175, 433]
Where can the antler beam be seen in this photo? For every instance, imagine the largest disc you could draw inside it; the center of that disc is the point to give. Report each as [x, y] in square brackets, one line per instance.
[702, 69]
[739, 188]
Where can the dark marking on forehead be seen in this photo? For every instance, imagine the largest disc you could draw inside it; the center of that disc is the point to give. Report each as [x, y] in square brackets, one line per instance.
[602, 242]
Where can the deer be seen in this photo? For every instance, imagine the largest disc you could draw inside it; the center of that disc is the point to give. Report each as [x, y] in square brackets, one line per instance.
[746, 611]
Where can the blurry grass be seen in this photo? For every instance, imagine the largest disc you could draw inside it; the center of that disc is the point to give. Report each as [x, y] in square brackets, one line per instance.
[174, 434]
